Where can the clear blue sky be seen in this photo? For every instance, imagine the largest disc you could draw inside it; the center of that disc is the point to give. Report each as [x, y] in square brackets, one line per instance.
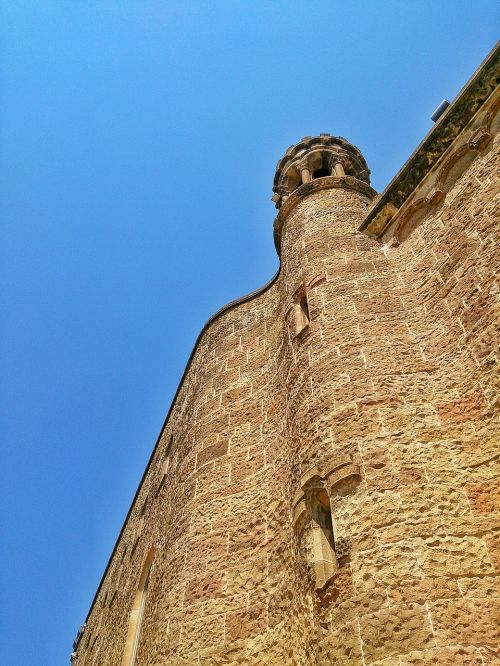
[139, 141]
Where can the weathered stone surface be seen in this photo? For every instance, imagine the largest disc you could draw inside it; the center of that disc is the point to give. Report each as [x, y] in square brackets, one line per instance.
[449, 656]
[473, 621]
[455, 556]
[488, 586]
[246, 624]
[394, 631]
[484, 497]
[343, 642]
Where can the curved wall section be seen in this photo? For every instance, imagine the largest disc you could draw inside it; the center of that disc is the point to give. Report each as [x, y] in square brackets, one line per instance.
[325, 489]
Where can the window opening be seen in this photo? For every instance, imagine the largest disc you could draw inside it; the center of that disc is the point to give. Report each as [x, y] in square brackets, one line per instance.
[320, 173]
[140, 618]
[301, 314]
[323, 516]
[165, 465]
[137, 614]
[93, 643]
[134, 546]
[321, 539]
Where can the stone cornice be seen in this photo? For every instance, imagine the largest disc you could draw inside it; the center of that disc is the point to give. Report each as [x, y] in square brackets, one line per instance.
[470, 99]
[329, 182]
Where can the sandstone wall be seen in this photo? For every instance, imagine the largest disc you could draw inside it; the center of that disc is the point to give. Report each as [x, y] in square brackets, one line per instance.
[394, 378]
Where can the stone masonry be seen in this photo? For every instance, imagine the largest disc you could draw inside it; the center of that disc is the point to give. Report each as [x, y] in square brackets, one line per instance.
[325, 486]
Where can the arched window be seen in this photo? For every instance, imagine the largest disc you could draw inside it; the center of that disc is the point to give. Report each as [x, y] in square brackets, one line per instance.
[321, 541]
[137, 614]
[320, 173]
[301, 313]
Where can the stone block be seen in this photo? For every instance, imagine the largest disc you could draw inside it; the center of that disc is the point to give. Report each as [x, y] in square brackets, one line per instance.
[212, 452]
[455, 556]
[475, 621]
[340, 645]
[246, 624]
[484, 497]
[487, 586]
[396, 630]
[201, 588]
[442, 656]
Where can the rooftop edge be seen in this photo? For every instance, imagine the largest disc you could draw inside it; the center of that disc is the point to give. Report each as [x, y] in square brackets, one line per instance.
[465, 105]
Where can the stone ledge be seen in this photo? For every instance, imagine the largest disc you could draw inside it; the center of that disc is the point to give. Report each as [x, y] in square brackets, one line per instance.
[470, 99]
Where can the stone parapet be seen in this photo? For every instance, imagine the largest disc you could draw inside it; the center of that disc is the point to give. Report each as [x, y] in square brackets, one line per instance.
[481, 86]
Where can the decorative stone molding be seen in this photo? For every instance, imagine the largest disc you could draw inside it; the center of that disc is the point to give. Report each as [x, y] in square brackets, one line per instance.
[299, 513]
[333, 478]
[297, 313]
[312, 516]
[448, 170]
[338, 479]
[453, 166]
[480, 139]
[479, 90]
[492, 117]
[417, 209]
[315, 281]
[317, 157]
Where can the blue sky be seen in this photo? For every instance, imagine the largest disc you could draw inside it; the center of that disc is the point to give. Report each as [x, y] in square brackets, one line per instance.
[139, 141]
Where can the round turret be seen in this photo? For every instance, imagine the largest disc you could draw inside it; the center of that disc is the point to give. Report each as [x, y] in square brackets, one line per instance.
[313, 164]
[317, 157]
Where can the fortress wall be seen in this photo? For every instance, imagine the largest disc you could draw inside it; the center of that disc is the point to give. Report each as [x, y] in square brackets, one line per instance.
[405, 355]
[386, 399]
[218, 521]
[428, 509]
[439, 535]
[321, 246]
[337, 409]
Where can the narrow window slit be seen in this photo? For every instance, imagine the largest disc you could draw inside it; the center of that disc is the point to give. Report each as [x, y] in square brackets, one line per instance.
[321, 539]
[137, 614]
[302, 318]
[165, 465]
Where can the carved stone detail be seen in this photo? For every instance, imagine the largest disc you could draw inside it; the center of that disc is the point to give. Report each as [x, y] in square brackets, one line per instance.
[332, 478]
[478, 91]
[326, 154]
[479, 139]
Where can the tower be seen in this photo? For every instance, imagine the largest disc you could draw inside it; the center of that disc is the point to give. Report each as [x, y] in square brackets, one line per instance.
[323, 489]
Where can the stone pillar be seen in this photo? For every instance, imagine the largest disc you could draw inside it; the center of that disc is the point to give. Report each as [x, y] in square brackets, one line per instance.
[306, 174]
[338, 169]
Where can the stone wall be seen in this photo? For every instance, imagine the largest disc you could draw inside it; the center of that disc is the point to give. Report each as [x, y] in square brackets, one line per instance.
[367, 369]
